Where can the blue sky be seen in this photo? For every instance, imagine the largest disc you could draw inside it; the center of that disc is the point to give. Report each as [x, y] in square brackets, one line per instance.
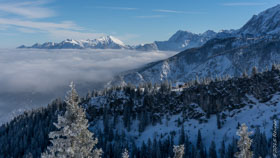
[132, 21]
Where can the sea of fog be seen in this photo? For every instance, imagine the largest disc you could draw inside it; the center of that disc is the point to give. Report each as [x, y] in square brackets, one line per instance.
[31, 78]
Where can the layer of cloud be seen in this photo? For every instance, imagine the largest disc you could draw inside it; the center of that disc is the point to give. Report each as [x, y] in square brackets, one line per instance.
[26, 70]
[62, 30]
[149, 16]
[26, 30]
[116, 8]
[176, 11]
[39, 25]
[243, 4]
[28, 9]
[31, 78]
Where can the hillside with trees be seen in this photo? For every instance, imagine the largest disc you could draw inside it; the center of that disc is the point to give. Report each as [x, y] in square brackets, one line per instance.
[150, 119]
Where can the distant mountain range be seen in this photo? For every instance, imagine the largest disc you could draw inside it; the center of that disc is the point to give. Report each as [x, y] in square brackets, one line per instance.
[181, 40]
[106, 42]
[228, 52]
[257, 43]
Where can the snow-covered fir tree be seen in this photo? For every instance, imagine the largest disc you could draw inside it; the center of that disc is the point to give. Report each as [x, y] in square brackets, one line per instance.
[244, 143]
[73, 139]
[212, 150]
[178, 151]
[222, 151]
[254, 70]
[244, 74]
[125, 154]
[274, 135]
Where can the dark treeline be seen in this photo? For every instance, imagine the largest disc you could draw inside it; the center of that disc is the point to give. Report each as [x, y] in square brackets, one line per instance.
[149, 105]
[27, 134]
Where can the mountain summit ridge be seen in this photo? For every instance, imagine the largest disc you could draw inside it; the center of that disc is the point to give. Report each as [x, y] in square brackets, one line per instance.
[104, 42]
[179, 41]
[229, 53]
[266, 22]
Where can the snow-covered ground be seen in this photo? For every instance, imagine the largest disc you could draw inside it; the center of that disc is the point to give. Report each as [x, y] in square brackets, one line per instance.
[30, 77]
[254, 114]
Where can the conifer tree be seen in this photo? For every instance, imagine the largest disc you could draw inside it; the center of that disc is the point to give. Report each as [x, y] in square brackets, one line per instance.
[73, 139]
[244, 143]
[187, 146]
[182, 135]
[197, 80]
[256, 145]
[125, 154]
[278, 132]
[264, 148]
[254, 70]
[222, 150]
[212, 150]
[244, 74]
[274, 67]
[178, 151]
[199, 141]
[218, 121]
[274, 135]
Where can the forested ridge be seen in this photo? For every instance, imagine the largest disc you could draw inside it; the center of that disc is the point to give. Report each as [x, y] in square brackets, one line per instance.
[136, 108]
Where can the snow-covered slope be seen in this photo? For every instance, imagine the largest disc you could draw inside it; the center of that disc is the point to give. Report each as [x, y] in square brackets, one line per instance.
[266, 22]
[253, 100]
[134, 118]
[218, 57]
[181, 40]
[255, 114]
[146, 47]
[229, 52]
[106, 42]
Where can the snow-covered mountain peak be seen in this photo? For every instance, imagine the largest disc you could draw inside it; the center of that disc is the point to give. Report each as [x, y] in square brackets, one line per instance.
[181, 35]
[110, 39]
[71, 41]
[219, 56]
[266, 22]
[105, 42]
[209, 33]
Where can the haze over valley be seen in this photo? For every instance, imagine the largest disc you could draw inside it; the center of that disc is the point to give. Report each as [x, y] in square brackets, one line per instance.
[32, 78]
